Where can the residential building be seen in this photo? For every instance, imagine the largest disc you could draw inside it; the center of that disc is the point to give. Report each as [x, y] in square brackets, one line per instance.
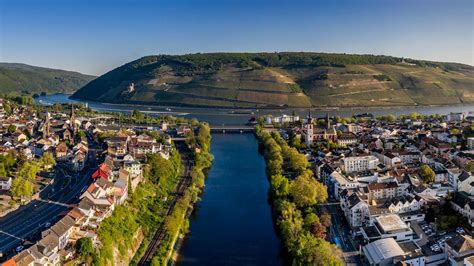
[458, 248]
[360, 163]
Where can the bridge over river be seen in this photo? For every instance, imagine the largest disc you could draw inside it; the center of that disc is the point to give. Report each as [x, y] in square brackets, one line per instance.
[232, 129]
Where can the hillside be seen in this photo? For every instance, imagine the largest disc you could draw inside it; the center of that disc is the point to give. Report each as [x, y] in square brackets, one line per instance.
[260, 80]
[21, 78]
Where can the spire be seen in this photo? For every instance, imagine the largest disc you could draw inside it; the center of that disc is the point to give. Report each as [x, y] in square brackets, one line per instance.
[46, 126]
[328, 121]
[72, 120]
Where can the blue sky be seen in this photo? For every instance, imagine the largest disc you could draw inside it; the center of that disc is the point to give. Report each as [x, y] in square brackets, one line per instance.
[94, 37]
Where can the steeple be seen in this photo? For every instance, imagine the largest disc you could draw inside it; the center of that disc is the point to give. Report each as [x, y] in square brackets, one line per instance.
[328, 121]
[310, 119]
[72, 120]
[47, 125]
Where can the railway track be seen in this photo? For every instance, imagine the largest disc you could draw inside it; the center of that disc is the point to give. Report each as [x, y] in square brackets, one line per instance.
[155, 242]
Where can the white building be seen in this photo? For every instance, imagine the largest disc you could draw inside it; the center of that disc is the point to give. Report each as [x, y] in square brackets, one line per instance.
[360, 163]
[456, 116]
[470, 143]
[355, 210]
[388, 226]
[388, 252]
[5, 183]
[282, 119]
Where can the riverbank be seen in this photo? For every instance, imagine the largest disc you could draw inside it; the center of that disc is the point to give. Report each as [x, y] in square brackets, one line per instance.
[295, 194]
[219, 116]
[140, 105]
[197, 159]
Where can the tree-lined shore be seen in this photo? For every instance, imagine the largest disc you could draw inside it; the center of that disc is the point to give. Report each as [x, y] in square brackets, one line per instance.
[295, 194]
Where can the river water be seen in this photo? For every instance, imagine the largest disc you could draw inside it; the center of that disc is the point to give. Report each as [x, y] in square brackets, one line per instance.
[232, 224]
[219, 116]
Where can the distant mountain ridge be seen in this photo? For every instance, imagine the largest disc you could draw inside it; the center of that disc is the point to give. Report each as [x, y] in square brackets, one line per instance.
[22, 78]
[287, 79]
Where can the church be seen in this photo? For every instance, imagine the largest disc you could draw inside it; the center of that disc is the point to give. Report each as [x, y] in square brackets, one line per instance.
[314, 133]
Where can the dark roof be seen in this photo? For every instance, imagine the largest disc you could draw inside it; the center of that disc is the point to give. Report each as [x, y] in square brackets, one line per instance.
[353, 200]
[461, 243]
[463, 176]
[461, 199]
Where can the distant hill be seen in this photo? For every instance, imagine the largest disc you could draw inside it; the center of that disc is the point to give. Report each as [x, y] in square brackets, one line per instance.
[290, 79]
[21, 78]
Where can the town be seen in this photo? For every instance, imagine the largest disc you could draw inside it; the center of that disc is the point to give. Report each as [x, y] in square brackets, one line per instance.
[68, 172]
[400, 189]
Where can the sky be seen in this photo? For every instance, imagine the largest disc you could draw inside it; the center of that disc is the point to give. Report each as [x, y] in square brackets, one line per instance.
[94, 37]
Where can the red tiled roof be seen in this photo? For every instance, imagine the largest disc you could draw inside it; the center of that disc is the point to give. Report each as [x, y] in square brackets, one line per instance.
[91, 188]
[104, 167]
[99, 174]
[9, 262]
[75, 214]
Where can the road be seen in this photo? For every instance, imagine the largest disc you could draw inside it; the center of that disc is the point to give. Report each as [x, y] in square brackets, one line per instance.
[339, 233]
[24, 226]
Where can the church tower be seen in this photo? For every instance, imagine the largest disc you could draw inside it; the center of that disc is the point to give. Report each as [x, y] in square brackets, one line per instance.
[72, 121]
[328, 121]
[47, 125]
[309, 128]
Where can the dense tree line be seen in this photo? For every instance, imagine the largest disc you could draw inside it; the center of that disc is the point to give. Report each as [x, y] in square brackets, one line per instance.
[295, 203]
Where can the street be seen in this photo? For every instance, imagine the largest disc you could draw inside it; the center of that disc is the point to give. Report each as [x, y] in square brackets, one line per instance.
[339, 234]
[24, 226]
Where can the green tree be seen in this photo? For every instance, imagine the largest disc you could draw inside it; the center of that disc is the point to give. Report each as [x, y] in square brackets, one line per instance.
[280, 185]
[11, 128]
[413, 116]
[47, 160]
[310, 219]
[317, 251]
[427, 174]
[296, 161]
[454, 131]
[138, 115]
[391, 118]
[84, 247]
[3, 172]
[306, 191]
[28, 170]
[468, 131]
[204, 136]
[470, 167]
[21, 187]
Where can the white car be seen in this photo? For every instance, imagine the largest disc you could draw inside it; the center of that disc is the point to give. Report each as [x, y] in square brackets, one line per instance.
[19, 248]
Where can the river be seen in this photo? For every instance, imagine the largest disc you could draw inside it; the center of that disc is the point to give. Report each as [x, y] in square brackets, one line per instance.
[232, 224]
[220, 116]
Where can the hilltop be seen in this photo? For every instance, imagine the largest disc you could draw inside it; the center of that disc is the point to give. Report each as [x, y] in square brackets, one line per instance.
[26, 79]
[289, 79]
